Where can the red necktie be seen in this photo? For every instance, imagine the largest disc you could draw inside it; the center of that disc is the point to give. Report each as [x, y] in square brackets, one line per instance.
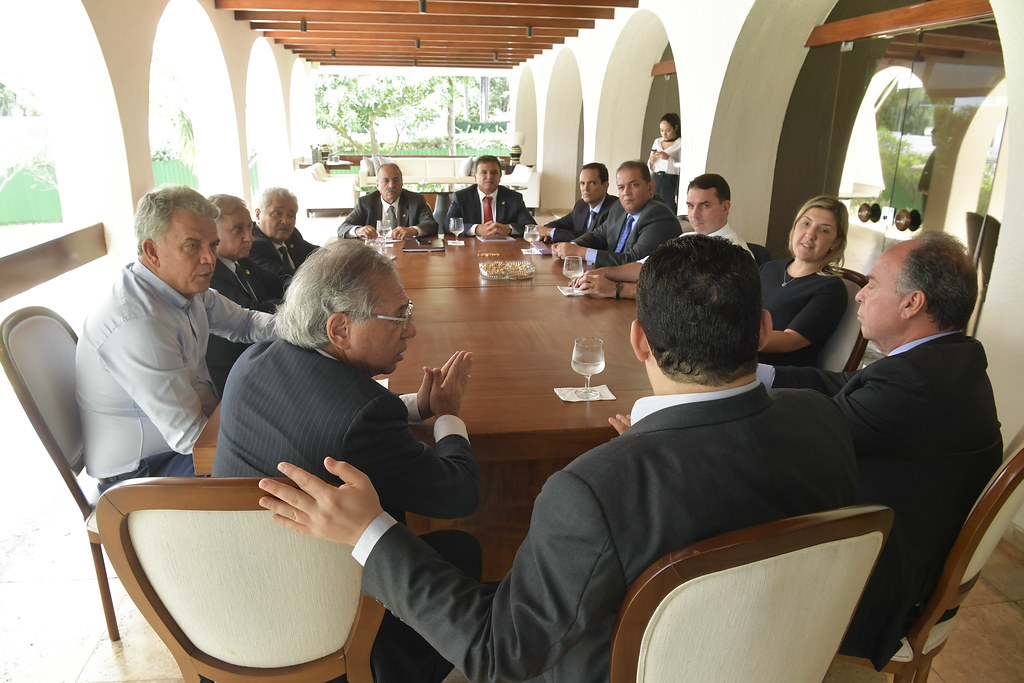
[488, 216]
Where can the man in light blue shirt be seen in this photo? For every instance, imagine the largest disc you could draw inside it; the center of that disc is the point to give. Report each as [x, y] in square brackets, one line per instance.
[143, 388]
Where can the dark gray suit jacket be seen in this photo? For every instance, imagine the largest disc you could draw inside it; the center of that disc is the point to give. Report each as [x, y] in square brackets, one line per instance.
[412, 210]
[682, 474]
[286, 403]
[264, 253]
[572, 225]
[927, 437]
[510, 209]
[221, 353]
[657, 224]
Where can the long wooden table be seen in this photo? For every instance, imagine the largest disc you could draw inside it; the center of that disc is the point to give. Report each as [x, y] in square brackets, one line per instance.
[521, 334]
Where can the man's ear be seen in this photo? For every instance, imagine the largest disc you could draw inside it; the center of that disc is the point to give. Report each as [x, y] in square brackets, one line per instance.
[339, 330]
[256, 211]
[151, 253]
[766, 329]
[638, 340]
[726, 205]
[913, 304]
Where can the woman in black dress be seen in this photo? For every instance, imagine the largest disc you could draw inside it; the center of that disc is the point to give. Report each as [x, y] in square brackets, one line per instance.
[803, 293]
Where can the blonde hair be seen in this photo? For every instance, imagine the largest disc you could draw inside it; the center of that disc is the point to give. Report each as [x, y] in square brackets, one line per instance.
[834, 259]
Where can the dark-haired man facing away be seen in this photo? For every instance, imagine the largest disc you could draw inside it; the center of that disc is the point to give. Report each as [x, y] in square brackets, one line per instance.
[711, 451]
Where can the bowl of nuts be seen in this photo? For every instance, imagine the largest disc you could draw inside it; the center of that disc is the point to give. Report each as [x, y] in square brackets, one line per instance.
[507, 270]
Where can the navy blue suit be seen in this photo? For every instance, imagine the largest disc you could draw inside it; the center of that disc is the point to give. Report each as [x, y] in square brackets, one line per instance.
[572, 225]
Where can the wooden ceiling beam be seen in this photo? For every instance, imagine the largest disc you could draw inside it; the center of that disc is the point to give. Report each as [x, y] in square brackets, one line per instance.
[434, 52]
[434, 7]
[406, 41]
[416, 19]
[922, 16]
[416, 32]
[367, 45]
[408, 64]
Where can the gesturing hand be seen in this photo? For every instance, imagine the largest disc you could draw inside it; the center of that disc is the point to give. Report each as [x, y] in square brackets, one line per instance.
[318, 509]
[449, 384]
[620, 422]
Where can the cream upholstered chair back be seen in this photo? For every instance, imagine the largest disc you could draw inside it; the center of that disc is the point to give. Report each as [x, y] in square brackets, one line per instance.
[215, 576]
[845, 348]
[768, 603]
[37, 350]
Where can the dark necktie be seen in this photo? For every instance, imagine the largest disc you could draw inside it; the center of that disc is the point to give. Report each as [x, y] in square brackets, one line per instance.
[285, 258]
[244, 281]
[591, 221]
[488, 215]
[625, 235]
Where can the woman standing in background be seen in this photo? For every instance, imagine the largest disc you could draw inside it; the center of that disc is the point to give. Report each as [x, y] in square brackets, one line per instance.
[663, 160]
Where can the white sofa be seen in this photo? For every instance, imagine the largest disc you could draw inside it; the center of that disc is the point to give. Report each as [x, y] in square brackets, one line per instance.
[450, 171]
[318, 190]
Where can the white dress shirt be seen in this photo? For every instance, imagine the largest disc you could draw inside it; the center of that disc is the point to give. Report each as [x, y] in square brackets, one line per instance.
[142, 380]
[471, 229]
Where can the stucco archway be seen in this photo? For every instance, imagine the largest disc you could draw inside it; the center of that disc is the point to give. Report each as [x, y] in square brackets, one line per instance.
[561, 132]
[265, 126]
[525, 118]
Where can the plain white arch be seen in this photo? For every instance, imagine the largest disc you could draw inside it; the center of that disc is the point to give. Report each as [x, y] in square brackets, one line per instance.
[203, 75]
[525, 117]
[265, 125]
[626, 88]
[561, 132]
[301, 108]
[87, 142]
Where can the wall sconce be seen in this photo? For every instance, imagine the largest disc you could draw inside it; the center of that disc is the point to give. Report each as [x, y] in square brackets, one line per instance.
[423, 6]
[302, 25]
[332, 53]
[417, 43]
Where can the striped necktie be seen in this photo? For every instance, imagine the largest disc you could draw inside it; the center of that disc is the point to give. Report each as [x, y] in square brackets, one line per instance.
[488, 215]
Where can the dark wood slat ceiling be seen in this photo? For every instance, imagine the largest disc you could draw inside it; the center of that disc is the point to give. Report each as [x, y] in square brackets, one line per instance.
[495, 34]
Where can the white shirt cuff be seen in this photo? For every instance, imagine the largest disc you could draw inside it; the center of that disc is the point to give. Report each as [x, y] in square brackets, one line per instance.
[413, 406]
[766, 374]
[590, 256]
[361, 550]
[446, 425]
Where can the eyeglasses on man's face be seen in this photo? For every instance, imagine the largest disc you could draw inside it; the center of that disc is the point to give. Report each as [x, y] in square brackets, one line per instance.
[404, 320]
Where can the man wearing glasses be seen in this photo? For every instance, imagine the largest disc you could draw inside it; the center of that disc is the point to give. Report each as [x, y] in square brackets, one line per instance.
[311, 394]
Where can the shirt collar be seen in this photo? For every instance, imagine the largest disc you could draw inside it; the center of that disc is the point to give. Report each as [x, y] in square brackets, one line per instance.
[227, 262]
[493, 195]
[917, 342]
[161, 288]
[385, 205]
[652, 404]
[722, 231]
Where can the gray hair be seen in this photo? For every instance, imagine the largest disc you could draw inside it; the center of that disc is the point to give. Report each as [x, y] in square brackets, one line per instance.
[228, 204]
[268, 194]
[156, 208]
[938, 265]
[342, 277]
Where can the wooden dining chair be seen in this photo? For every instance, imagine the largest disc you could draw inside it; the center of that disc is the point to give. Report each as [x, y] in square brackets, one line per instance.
[845, 348]
[767, 603]
[989, 519]
[37, 350]
[235, 596]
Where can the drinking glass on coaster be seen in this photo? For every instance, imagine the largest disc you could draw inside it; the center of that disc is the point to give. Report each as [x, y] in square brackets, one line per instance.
[587, 360]
[572, 269]
[531, 234]
[457, 227]
[384, 230]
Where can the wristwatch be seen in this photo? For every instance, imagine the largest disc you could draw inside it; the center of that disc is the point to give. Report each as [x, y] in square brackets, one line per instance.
[618, 289]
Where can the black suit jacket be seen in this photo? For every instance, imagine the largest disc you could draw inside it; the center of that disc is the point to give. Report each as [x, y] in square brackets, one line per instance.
[682, 474]
[412, 210]
[510, 208]
[286, 403]
[572, 225]
[927, 437]
[657, 224]
[221, 353]
[264, 253]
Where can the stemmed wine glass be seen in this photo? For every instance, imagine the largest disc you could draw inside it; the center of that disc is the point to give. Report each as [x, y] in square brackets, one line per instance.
[587, 360]
[531, 234]
[456, 226]
[573, 269]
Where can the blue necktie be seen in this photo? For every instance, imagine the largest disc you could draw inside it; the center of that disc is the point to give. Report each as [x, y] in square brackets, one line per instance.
[625, 234]
[592, 221]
